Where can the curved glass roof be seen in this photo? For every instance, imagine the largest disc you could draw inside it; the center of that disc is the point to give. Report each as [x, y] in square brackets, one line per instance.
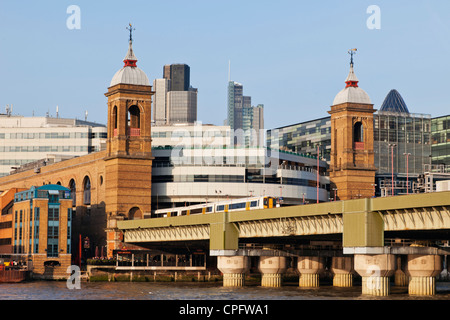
[394, 103]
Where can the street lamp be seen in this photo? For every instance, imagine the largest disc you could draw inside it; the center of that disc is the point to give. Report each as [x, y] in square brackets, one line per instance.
[407, 171]
[392, 145]
[318, 178]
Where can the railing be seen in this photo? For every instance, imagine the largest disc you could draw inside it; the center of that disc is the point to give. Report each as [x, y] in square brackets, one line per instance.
[132, 132]
[358, 146]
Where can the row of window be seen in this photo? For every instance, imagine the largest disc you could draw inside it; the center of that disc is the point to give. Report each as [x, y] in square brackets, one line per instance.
[194, 134]
[54, 135]
[236, 179]
[46, 148]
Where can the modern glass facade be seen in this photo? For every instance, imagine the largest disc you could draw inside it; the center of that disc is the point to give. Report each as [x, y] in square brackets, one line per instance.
[303, 138]
[440, 140]
[401, 141]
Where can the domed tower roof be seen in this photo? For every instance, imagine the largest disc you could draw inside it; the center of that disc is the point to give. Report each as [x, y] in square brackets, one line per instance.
[352, 93]
[394, 103]
[130, 73]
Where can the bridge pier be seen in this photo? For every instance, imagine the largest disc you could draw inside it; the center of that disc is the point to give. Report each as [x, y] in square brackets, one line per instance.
[375, 271]
[342, 268]
[272, 269]
[234, 269]
[400, 277]
[310, 268]
[423, 270]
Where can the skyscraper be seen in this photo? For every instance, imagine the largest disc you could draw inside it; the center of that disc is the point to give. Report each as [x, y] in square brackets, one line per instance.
[179, 76]
[244, 120]
[175, 98]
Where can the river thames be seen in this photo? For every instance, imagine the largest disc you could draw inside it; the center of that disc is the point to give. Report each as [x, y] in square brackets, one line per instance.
[197, 300]
[58, 290]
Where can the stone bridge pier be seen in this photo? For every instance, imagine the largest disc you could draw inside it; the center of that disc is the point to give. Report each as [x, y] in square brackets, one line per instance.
[423, 270]
[272, 269]
[310, 269]
[234, 269]
[375, 271]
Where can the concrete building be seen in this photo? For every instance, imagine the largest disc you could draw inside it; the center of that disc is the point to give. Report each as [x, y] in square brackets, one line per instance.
[203, 135]
[193, 175]
[28, 139]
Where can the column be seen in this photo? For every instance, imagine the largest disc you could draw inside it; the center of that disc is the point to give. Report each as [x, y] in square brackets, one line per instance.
[310, 269]
[400, 277]
[272, 269]
[342, 268]
[423, 270]
[233, 269]
[375, 271]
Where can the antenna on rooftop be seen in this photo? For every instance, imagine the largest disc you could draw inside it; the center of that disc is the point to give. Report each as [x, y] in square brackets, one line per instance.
[85, 115]
[57, 112]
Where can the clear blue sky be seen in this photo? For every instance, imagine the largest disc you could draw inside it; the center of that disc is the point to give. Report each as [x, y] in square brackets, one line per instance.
[290, 56]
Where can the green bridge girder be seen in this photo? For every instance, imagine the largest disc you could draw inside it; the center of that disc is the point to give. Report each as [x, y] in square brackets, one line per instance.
[361, 222]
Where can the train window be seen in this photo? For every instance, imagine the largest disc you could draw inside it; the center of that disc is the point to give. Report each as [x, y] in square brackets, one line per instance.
[209, 209]
[184, 212]
[197, 211]
[237, 206]
[221, 207]
[253, 204]
[266, 201]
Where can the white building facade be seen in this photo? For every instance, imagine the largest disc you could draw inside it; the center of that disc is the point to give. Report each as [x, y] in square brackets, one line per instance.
[27, 139]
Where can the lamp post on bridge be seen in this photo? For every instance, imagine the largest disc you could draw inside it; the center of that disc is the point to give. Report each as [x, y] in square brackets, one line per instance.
[392, 145]
[407, 171]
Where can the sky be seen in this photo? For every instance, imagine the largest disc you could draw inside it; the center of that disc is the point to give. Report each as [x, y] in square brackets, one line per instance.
[290, 55]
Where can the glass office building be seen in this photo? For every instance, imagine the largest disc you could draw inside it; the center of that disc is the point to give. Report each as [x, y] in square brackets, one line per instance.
[440, 140]
[303, 138]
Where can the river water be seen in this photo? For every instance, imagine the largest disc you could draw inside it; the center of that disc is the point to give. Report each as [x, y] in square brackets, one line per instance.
[59, 290]
[175, 297]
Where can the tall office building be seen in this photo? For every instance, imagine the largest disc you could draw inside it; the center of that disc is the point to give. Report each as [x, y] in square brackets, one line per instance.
[175, 99]
[161, 87]
[179, 76]
[245, 121]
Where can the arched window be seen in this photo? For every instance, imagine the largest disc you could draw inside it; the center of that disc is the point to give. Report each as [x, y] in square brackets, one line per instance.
[358, 136]
[73, 192]
[114, 120]
[358, 132]
[86, 190]
[134, 121]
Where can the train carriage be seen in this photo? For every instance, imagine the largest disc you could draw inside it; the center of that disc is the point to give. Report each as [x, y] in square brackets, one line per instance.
[244, 204]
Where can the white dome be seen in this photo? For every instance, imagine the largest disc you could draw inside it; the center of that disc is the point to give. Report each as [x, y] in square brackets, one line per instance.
[130, 75]
[352, 95]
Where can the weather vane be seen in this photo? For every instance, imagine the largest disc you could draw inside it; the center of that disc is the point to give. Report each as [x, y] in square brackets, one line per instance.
[131, 31]
[352, 52]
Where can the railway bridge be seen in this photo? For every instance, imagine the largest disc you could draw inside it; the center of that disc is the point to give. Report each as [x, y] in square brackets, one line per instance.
[375, 238]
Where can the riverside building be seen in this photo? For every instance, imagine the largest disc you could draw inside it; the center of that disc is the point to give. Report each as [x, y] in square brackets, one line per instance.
[37, 227]
[28, 139]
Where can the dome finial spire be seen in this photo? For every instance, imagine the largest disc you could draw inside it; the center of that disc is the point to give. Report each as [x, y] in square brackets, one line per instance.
[130, 59]
[131, 31]
[352, 80]
[352, 52]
